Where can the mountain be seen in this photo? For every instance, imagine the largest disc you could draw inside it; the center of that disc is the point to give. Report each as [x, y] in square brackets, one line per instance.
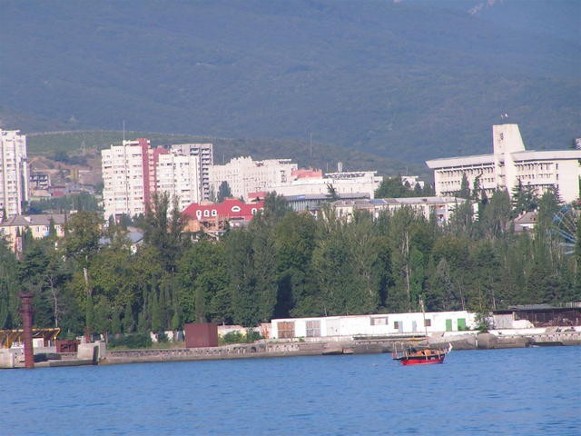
[405, 79]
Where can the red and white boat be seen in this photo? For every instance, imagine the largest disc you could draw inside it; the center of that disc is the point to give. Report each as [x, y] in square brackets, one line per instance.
[419, 355]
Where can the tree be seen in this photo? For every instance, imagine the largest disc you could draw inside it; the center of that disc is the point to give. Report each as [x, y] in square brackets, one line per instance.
[82, 233]
[224, 191]
[163, 228]
[524, 198]
[392, 187]
[464, 191]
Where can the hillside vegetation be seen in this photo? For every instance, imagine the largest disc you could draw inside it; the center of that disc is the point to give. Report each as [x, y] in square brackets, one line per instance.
[410, 80]
[306, 154]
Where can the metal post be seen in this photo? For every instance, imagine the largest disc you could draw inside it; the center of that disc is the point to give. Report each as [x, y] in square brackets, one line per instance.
[26, 312]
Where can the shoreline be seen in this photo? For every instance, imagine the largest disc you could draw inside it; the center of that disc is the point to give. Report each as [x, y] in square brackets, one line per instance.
[98, 354]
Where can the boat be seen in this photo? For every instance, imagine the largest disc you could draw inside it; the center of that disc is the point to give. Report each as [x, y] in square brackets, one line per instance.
[420, 355]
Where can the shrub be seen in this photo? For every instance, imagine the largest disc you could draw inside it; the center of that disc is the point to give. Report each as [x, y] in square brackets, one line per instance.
[134, 340]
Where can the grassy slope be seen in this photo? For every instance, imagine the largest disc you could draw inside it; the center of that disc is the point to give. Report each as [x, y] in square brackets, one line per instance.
[304, 153]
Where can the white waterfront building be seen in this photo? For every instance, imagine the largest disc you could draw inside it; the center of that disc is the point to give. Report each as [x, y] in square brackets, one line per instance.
[509, 163]
[372, 325]
[13, 173]
[245, 176]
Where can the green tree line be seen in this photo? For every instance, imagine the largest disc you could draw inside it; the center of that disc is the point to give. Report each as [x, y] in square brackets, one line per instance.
[287, 264]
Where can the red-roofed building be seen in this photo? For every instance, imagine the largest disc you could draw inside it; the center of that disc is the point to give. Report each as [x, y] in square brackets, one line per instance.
[212, 217]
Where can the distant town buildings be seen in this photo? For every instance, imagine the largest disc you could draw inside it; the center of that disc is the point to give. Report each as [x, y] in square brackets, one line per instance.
[134, 171]
[13, 229]
[13, 173]
[509, 164]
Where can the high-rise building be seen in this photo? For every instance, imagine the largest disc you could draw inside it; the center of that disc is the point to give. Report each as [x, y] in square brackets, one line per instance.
[205, 154]
[128, 176]
[133, 172]
[510, 164]
[13, 173]
[178, 175]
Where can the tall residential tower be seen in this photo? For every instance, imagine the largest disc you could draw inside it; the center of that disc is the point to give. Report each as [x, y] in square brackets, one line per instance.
[13, 173]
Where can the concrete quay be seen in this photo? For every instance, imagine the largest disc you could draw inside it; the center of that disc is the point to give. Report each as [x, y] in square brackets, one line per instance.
[336, 346]
[98, 354]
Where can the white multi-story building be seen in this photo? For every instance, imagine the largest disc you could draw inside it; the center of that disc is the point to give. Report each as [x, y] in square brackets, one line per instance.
[179, 175]
[342, 183]
[441, 208]
[13, 173]
[509, 164]
[205, 154]
[245, 176]
[128, 178]
[133, 172]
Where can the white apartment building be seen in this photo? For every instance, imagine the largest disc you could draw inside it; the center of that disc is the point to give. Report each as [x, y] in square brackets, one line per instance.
[133, 172]
[441, 208]
[205, 154]
[343, 183]
[128, 177]
[13, 173]
[245, 176]
[179, 175]
[509, 163]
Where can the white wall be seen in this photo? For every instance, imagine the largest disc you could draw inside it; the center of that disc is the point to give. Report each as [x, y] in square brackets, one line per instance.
[378, 325]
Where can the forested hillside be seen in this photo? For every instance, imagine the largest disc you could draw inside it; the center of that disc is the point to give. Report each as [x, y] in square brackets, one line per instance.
[409, 79]
[287, 264]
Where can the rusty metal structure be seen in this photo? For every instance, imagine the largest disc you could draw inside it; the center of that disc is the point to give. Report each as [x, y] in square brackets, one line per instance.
[26, 313]
[201, 335]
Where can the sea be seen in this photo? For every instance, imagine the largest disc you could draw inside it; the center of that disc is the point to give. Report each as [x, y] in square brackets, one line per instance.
[525, 391]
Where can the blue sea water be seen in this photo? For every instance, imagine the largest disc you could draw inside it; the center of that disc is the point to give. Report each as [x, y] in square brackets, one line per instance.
[533, 391]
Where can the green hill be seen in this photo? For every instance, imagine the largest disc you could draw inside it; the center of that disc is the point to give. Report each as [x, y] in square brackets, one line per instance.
[306, 154]
[409, 80]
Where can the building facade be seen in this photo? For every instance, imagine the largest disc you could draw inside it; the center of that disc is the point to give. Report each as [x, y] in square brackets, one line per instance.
[214, 218]
[178, 175]
[509, 164]
[441, 208]
[245, 176]
[372, 325]
[352, 183]
[128, 176]
[205, 154]
[13, 173]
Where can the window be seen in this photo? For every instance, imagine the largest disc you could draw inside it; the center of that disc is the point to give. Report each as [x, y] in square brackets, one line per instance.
[206, 213]
[313, 329]
[396, 325]
[427, 323]
[378, 320]
[286, 330]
